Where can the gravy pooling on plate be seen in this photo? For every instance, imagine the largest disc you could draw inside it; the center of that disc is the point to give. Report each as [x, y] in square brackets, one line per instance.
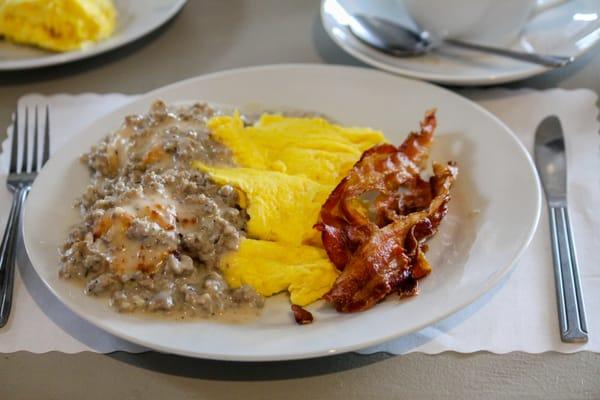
[153, 229]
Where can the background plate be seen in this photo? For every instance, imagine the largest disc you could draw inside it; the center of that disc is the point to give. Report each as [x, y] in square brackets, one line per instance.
[570, 29]
[135, 19]
[492, 217]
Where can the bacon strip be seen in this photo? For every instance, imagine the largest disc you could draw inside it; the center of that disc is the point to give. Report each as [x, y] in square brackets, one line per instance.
[301, 315]
[380, 172]
[379, 265]
[375, 222]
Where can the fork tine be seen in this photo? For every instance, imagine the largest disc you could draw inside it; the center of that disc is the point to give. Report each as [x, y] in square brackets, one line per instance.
[15, 143]
[46, 152]
[34, 153]
[25, 158]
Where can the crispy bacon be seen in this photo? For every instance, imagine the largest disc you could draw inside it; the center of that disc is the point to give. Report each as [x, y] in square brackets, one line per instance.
[388, 174]
[408, 287]
[375, 222]
[301, 315]
[381, 264]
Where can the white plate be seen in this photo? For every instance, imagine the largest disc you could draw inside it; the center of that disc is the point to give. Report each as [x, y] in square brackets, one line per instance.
[570, 29]
[493, 214]
[135, 19]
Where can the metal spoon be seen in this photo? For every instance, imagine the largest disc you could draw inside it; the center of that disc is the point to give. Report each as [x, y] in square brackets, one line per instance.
[398, 40]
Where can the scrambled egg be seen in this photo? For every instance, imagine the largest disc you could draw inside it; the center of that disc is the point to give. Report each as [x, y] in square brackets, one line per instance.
[282, 208]
[58, 25]
[310, 147]
[288, 168]
[272, 267]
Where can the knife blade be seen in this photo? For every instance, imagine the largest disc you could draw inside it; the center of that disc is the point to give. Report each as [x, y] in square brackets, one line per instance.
[551, 162]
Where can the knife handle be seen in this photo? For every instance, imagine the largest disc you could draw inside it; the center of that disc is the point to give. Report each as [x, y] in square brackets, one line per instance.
[573, 326]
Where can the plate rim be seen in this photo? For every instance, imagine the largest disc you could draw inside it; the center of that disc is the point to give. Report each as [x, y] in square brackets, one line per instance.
[490, 283]
[433, 77]
[94, 50]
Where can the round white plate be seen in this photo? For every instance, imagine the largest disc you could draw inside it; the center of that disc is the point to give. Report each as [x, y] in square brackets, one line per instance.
[492, 217]
[135, 19]
[569, 29]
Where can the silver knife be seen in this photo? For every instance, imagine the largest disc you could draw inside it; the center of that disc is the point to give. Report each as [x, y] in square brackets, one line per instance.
[551, 162]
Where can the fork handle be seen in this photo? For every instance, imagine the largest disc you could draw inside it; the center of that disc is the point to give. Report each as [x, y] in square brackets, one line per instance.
[573, 326]
[8, 253]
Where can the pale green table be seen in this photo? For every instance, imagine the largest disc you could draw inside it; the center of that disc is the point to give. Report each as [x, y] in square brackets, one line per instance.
[212, 35]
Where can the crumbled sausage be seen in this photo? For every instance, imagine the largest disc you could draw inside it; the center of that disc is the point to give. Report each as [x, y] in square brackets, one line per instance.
[182, 266]
[173, 220]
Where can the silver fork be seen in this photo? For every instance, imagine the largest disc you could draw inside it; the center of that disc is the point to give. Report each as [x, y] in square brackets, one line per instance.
[19, 183]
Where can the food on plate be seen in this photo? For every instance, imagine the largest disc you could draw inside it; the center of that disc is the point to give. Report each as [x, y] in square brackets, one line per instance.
[301, 315]
[313, 148]
[57, 25]
[270, 197]
[285, 169]
[152, 228]
[273, 267]
[375, 223]
[193, 211]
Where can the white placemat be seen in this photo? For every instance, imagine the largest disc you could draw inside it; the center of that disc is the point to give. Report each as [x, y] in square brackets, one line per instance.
[519, 315]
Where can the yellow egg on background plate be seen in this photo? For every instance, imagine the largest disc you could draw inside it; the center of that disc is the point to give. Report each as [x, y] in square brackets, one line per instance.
[57, 25]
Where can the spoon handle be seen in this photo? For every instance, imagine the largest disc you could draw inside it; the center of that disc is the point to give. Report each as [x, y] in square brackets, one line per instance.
[541, 59]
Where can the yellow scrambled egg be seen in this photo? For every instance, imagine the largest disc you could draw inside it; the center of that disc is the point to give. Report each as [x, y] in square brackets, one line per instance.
[288, 167]
[272, 267]
[282, 208]
[58, 25]
[310, 147]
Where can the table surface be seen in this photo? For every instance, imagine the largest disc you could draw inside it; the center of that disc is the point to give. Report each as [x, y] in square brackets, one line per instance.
[213, 35]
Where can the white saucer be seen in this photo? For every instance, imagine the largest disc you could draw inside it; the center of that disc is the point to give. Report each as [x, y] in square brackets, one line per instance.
[570, 29]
